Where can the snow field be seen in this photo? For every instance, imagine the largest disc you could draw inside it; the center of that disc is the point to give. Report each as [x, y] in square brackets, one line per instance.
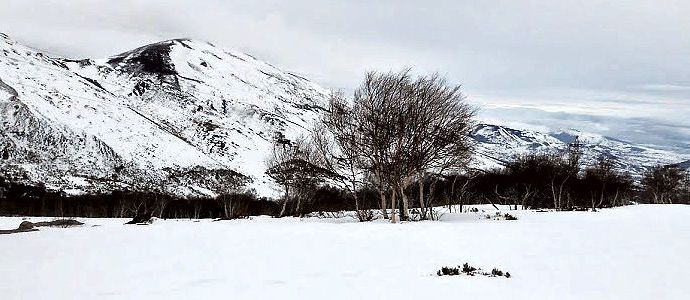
[636, 252]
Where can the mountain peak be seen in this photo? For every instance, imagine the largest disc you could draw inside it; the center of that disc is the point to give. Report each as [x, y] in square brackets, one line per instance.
[172, 114]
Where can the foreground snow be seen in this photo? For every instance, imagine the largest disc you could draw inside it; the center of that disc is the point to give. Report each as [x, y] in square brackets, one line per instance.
[637, 252]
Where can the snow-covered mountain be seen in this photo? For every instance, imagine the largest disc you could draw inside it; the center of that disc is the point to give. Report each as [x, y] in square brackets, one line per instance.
[498, 144]
[175, 114]
[186, 117]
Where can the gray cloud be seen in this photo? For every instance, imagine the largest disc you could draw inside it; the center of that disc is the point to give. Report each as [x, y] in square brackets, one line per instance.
[522, 52]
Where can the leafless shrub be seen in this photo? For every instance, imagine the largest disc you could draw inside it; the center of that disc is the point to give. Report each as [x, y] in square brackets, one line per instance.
[468, 270]
[397, 129]
[664, 184]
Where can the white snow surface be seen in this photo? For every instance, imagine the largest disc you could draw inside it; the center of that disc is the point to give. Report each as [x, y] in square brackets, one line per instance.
[635, 252]
[142, 115]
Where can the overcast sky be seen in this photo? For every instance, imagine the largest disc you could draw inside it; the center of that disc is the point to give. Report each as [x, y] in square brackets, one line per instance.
[619, 68]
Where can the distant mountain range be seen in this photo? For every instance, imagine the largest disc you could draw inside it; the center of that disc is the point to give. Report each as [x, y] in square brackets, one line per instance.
[180, 116]
[684, 165]
[498, 144]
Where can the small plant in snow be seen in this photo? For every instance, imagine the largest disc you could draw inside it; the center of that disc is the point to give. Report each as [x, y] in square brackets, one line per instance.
[509, 217]
[365, 215]
[468, 270]
[328, 214]
[499, 216]
[448, 271]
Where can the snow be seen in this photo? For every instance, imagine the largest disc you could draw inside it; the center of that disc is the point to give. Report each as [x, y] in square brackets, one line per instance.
[636, 252]
[215, 108]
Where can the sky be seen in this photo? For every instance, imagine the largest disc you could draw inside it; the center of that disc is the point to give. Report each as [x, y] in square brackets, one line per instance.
[617, 68]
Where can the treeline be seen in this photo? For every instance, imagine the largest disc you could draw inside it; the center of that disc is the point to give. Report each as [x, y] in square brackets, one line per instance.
[553, 182]
[529, 182]
[26, 200]
[18, 199]
[534, 181]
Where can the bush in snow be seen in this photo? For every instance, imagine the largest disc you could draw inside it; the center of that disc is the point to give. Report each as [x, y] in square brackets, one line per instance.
[448, 271]
[140, 219]
[468, 270]
[509, 217]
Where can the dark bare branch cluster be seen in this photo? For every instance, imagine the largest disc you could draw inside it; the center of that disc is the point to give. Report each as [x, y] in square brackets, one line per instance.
[396, 129]
[296, 166]
[666, 184]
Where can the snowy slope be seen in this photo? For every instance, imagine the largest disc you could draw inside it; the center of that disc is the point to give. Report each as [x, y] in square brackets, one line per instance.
[224, 103]
[149, 113]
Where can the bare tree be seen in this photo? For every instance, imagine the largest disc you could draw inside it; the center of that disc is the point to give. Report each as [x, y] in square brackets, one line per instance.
[291, 165]
[440, 123]
[605, 183]
[363, 133]
[686, 188]
[566, 168]
[282, 152]
[663, 183]
[337, 146]
[398, 129]
[459, 190]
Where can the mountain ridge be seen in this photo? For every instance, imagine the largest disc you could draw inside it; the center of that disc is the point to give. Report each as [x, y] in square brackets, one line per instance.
[508, 143]
[171, 104]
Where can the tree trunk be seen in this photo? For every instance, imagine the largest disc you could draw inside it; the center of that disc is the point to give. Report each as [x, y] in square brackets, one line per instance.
[384, 209]
[356, 201]
[422, 206]
[299, 201]
[553, 193]
[452, 195]
[432, 194]
[615, 198]
[405, 204]
[601, 198]
[287, 196]
[393, 200]
[462, 201]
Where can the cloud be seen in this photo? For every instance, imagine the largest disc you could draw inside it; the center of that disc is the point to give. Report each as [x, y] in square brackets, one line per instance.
[623, 57]
[666, 87]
